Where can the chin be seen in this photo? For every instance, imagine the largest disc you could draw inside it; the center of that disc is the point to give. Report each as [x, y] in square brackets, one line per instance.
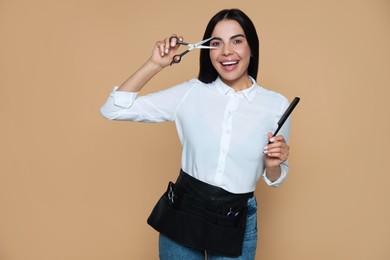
[232, 76]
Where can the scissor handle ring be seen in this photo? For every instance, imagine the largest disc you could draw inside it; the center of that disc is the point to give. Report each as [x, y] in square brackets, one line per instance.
[178, 41]
[176, 59]
[174, 37]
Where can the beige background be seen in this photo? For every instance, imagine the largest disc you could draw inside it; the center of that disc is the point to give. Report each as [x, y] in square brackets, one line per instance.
[75, 186]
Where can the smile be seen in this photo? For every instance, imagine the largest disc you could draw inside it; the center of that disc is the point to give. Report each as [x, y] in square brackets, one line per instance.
[229, 63]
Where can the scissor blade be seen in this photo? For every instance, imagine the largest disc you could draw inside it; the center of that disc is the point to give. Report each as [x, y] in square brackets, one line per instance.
[206, 47]
[197, 45]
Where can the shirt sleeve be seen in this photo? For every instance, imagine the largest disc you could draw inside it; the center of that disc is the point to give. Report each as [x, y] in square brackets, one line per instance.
[281, 179]
[152, 108]
[285, 131]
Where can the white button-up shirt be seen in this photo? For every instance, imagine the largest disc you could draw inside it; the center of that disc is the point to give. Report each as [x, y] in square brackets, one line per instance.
[223, 132]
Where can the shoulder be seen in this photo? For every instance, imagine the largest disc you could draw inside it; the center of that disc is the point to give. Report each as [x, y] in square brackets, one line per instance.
[189, 84]
[180, 88]
[198, 83]
[199, 86]
[272, 96]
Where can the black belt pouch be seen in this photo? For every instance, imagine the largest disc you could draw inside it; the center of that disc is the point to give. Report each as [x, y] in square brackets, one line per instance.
[202, 216]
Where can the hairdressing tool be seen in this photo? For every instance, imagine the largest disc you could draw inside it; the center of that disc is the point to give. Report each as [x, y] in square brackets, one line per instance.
[286, 115]
[199, 45]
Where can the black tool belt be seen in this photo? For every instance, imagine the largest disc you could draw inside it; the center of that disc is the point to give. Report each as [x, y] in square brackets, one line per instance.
[202, 216]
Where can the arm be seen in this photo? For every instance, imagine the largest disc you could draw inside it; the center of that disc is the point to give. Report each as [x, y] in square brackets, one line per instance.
[275, 154]
[162, 55]
[123, 103]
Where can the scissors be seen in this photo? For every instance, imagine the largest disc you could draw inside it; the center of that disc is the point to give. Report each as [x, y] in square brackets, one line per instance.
[199, 45]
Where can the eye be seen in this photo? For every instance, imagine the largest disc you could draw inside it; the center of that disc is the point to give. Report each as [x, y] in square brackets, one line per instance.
[237, 41]
[215, 43]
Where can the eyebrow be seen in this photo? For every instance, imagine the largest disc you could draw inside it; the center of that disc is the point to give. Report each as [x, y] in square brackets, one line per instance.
[233, 37]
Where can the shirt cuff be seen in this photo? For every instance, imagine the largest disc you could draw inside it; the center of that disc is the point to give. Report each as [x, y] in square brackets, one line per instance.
[123, 99]
[280, 180]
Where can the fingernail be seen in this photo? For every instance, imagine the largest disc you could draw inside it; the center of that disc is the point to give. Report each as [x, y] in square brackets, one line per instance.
[162, 53]
[266, 148]
[272, 139]
[166, 51]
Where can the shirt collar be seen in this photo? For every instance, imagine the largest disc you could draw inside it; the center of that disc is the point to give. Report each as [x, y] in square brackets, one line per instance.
[248, 93]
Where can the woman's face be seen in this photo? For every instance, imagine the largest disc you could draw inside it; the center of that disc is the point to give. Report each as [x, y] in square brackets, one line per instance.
[232, 54]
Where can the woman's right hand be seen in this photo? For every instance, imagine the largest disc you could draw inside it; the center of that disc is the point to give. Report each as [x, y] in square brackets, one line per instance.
[164, 51]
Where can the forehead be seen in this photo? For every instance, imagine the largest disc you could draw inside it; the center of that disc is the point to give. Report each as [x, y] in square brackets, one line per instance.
[227, 28]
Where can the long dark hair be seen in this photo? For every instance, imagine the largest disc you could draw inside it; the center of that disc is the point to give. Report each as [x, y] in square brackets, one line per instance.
[207, 72]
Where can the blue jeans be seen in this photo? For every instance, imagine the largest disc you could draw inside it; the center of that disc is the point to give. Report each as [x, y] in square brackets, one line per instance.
[170, 250]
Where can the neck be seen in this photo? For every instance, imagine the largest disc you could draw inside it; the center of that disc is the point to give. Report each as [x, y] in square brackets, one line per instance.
[239, 84]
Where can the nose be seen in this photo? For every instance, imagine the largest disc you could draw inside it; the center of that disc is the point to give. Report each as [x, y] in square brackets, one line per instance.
[227, 50]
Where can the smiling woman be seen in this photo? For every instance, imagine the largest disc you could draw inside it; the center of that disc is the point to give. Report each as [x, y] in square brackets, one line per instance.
[231, 58]
[234, 17]
[224, 120]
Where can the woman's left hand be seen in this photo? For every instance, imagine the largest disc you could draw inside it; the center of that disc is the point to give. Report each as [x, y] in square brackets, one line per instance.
[276, 152]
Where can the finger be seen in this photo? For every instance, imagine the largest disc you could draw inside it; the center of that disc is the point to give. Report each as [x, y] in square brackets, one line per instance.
[173, 40]
[275, 155]
[166, 46]
[279, 145]
[176, 59]
[279, 151]
[275, 144]
[278, 138]
[272, 151]
[161, 48]
[269, 136]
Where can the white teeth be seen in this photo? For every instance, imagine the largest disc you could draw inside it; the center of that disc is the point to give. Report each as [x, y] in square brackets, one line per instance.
[229, 63]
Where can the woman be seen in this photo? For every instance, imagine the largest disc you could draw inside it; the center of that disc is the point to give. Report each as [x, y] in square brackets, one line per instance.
[225, 123]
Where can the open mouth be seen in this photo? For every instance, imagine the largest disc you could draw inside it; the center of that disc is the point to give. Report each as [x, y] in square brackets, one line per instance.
[229, 63]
